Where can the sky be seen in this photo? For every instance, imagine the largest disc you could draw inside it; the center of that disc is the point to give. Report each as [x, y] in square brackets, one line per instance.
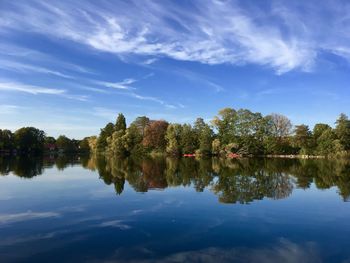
[69, 67]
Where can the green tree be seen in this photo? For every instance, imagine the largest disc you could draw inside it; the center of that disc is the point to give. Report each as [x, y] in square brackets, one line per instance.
[120, 124]
[29, 140]
[65, 144]
[326, 142]
[188, 139]
[318, 130]
[141, 123]
[303, 139]
[225, 124]
[205, 140]
[342, 131]
[173, 136]
[250, 131]
[106, 132]
[116, 144]
[133, 140]
[84, 145]
[6, 140]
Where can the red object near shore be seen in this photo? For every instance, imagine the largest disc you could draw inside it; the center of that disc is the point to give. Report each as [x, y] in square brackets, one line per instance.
[233, 155]
[189, 155]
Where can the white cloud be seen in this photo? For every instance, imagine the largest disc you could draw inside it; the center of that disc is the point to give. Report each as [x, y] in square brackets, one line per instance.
[22, 67]
[150, 61]
[13, 86]
[38, 90]
[213, 32]
[115, 223]
[282, 251]
[124, 85]
[29, 215]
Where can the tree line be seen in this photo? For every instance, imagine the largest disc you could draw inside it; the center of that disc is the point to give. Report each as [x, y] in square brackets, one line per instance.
[231, 131]
[30, 140]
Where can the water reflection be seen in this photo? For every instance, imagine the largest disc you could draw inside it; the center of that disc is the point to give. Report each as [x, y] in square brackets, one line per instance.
[233, 181]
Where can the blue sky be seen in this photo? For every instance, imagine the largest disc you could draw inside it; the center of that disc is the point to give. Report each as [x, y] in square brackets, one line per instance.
[69, 67]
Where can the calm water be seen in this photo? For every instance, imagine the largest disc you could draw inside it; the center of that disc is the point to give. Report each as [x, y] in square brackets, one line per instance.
[95, 210]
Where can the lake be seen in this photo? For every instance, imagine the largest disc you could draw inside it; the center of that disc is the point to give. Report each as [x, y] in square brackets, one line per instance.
[79, 209]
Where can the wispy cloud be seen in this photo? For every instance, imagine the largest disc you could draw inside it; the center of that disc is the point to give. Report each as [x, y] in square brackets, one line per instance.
[115, 223]
[38, 90]
[13, 86]
[150, 61]
[29, 215]
[8, 109]
[22, 67]
[124, 85]
[211, 32]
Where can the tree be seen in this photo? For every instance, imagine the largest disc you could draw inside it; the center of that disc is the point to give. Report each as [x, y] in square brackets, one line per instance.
[225, 124]
[120, 124]
[29, 140]
[250, 131]
[141, 123]
[65, 144]
[199, 125]
[281, 126]
[319, 128]
[342, 130]
[154, 137]
[92, 143]
[205, 140]
[133, 139]
[173, 135]
[6, 140]
[116, 144]
[303, 139]
[188, 139]
[106, 132]
[84, 145]
[326, 142]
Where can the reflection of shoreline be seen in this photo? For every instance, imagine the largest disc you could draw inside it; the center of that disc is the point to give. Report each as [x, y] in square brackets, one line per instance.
[294, 156]
[233, 181]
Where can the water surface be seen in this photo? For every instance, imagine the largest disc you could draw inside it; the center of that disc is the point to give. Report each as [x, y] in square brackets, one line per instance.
[78, 209]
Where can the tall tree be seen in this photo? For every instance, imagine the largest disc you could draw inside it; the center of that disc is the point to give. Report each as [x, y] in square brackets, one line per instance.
[303, 139]
[133, 140]
[120, 124]
[326, 142]
[225, 124]
[106, 132]
[188, 139]
[342, 130]
[205, 140]
[173, 136]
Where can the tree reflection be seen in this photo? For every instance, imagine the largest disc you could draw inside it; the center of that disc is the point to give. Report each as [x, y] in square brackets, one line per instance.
[233, 181]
